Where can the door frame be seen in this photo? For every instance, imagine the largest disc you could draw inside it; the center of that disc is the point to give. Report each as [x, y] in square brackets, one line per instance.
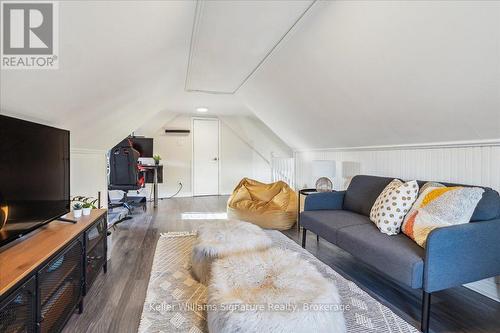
[193, 118]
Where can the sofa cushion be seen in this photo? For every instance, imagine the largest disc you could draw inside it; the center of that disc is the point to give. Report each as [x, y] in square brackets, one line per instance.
[327, 223]
[364, 190]
[488, 208]
[397, 256]
[362, 193]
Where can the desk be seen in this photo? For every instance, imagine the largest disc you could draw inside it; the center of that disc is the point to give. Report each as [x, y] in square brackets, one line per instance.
[155, 181]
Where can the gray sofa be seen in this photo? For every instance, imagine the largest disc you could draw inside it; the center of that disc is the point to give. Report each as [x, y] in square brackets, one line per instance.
[453, 255]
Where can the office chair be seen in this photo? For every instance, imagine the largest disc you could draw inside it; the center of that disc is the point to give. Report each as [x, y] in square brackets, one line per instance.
[124, 175]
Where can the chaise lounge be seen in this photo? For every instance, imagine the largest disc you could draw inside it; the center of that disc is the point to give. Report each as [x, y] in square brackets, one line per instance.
[453, 255]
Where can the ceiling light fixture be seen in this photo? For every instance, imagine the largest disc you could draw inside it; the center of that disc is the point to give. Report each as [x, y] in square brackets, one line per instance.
[202, 109]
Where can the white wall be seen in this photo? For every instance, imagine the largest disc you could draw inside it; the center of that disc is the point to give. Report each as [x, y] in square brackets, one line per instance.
[477, 165]
[246, 147]
[88, 173]
[175, 150]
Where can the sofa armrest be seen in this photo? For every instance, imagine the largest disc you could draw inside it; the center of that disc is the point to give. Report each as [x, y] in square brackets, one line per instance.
[461, 254]
[324, 201]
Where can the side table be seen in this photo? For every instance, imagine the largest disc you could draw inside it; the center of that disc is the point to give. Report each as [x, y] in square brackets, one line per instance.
[305, 192]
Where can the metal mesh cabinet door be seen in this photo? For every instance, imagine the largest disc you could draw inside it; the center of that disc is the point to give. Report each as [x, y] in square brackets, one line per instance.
[17, 311]
[60, 287]
[96, 239]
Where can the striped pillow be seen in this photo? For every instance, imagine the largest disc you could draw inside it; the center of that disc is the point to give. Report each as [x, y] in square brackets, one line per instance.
[438, 207]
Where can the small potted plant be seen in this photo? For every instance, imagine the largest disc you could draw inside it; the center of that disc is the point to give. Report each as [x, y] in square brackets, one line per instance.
[86, 208]
[87, 203]
[77, 210]
[157, 159]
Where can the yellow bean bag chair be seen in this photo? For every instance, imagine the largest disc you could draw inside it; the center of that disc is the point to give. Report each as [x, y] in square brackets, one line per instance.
[270, 206]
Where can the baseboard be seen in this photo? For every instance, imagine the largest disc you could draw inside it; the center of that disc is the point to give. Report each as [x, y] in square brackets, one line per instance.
[488, 287]
[183, 195]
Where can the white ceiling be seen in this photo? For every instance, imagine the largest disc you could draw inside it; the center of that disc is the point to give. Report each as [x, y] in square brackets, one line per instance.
[369, 73]
[350, 73]
[230, 39]
[121, 64]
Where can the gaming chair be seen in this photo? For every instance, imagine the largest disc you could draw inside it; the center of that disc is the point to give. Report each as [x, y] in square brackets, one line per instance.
[124, 175]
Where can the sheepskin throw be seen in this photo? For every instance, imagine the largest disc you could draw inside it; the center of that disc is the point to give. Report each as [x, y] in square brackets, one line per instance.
[272, 291]
[392, 205]
[438, 207]
[222, 238]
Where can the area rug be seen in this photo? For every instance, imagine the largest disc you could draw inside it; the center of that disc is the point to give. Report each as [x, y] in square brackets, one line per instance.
[175, 302]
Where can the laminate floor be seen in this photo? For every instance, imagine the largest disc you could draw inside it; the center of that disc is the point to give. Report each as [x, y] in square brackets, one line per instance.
[115, 301]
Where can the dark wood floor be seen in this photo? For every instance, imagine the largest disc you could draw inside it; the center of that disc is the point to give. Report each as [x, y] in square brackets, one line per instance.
[114, 303]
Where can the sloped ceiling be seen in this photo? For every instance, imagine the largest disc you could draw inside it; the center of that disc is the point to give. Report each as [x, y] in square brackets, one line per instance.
[121, 63]
[108, 80]
[224, 52]
[364, 73]
[349, 73]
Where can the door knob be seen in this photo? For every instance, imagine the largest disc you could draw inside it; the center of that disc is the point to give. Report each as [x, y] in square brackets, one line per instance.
[216, 158]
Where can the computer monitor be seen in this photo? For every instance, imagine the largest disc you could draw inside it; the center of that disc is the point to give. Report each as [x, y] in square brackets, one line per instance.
[143, 145]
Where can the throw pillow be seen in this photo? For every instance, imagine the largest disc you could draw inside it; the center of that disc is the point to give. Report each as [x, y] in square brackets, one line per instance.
[430, 184]
[438, 207]
[392, 205]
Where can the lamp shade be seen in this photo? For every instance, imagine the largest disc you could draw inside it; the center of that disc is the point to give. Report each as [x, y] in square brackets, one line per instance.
[349, 169]
[322, 168]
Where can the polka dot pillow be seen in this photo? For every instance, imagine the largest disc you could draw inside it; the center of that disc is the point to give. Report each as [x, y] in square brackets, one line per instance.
[392, 205]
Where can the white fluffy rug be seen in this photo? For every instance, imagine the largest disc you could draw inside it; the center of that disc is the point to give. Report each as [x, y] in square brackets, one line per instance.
[175, 302]
[272, 291]
[221, 238]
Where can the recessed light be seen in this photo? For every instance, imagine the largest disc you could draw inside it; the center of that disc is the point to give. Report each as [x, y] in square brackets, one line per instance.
[202, 109]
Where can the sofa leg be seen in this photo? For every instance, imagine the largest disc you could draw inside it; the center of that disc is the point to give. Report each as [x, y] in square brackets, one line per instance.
[426, 311]
[304, 231]
[317, 238]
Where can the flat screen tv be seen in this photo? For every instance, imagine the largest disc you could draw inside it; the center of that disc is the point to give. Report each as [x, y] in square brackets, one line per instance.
[34, 176]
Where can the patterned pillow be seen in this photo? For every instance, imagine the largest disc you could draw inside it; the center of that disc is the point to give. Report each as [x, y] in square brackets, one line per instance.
[392, 204]
[429, 184]
[438, 207]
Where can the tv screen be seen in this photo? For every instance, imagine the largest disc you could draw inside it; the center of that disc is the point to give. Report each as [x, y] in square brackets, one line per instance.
[34, 176]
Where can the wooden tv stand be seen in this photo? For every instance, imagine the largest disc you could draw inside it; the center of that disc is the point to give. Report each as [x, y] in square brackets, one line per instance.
[45, 274]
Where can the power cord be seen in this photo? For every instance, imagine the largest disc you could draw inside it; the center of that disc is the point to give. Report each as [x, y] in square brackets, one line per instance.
[170, 197]
[173, 195]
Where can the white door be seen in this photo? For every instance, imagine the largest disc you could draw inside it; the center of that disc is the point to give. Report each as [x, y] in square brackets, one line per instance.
[205, 156]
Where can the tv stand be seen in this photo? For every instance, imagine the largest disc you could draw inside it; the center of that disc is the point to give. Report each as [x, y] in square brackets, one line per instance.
[63, 219]
[45, 275]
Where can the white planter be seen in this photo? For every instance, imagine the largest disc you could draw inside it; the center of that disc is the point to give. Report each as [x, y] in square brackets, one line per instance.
[77, 213]
[86, 211]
